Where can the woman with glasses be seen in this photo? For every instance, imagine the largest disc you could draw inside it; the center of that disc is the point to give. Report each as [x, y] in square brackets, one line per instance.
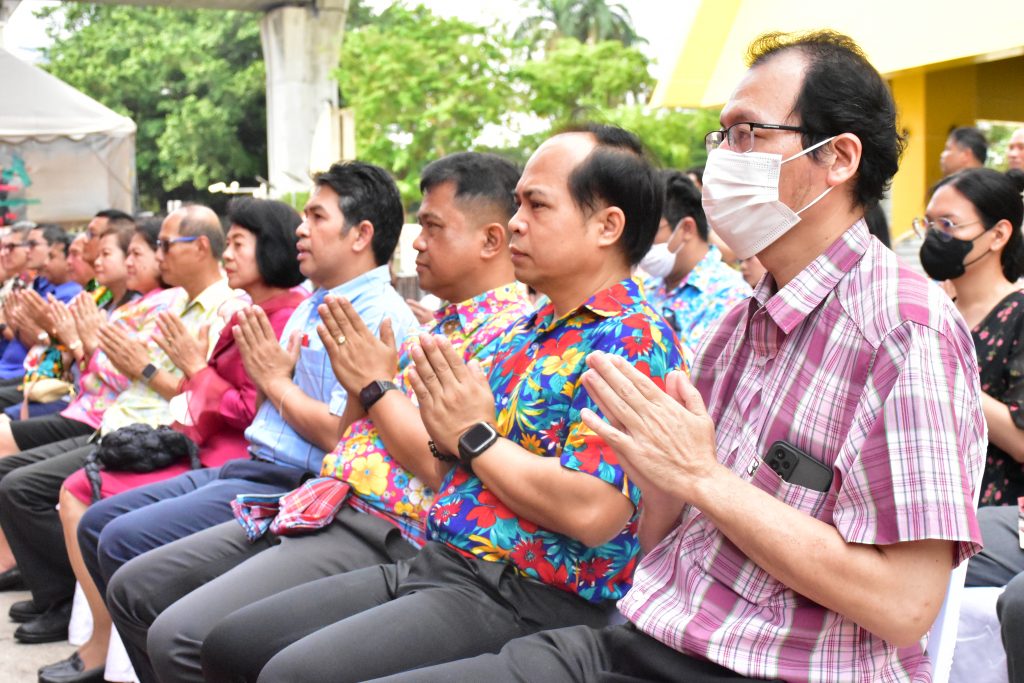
[219, 399]
[972, 237]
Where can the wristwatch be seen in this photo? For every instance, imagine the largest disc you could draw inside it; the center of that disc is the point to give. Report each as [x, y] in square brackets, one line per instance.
[148, 373]
[374, 391]
[474, 441]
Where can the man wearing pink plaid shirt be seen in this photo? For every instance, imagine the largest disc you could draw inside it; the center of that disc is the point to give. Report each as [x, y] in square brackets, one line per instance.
[803, 525]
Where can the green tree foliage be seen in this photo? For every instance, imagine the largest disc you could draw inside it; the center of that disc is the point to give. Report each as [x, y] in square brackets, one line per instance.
[193, 82]
[588, 21]
[422, 87]
[674, 137]
[576, 80]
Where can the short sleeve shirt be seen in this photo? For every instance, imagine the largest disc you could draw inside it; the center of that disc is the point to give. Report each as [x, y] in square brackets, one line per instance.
[867, 367]
[380, 485]
[536, 380]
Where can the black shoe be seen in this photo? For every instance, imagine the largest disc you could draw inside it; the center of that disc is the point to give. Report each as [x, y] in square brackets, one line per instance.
[24, 610]
[49, 627]
[10, 580]
[70, 670]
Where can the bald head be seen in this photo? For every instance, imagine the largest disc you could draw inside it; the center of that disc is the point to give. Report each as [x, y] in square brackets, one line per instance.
[203, 221]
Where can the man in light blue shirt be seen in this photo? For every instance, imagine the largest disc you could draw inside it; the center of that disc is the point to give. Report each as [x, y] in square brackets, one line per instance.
[350, 229]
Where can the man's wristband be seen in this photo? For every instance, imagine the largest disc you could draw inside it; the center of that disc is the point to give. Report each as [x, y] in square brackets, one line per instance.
[374, 391]
[443, 457]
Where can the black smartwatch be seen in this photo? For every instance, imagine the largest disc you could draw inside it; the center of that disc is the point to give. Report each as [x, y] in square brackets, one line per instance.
[374, 391]
[148, 373]
[474, 441]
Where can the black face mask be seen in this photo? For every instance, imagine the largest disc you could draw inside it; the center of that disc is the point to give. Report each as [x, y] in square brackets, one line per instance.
[944, 260]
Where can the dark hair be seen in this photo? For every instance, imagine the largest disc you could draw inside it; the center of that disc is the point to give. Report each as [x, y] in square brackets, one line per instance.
[971, 139]
[682, 200]
[367, 193]
[697, 171]
[618, 173]
[488, 177]
[54, 234]
[841, 93]
[878, 224]
[149, 229]
[123, 229]
[995, 196]
[113, 214]
[273, 223]
[199, 221]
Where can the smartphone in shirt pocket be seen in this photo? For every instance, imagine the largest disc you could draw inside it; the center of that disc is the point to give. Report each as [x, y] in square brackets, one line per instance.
[796, 467]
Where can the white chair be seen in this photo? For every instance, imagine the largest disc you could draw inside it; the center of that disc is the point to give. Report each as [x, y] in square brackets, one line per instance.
[942, 637]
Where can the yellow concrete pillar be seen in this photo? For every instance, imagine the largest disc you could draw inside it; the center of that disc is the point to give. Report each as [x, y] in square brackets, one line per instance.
[908, 187]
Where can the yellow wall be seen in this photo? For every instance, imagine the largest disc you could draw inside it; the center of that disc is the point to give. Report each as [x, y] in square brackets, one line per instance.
[933, 101]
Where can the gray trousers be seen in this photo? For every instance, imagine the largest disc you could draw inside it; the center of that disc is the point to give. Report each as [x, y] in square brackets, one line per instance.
[619, 654]
[168, 599]
[439, 606]
[1001, 563]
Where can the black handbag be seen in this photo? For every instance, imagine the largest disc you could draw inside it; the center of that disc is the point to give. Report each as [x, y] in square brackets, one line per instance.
[138, 448]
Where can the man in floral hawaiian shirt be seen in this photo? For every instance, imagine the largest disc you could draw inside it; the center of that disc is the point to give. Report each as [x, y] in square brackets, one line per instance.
[534, 524]
[462, 258]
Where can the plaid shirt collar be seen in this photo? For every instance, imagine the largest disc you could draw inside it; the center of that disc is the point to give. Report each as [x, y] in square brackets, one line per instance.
[791, 305]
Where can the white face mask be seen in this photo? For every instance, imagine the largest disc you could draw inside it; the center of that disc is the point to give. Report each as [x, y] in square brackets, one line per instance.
[741, 198]
[659, 260]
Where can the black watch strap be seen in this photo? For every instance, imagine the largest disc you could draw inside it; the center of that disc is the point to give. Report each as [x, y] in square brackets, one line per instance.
[148, 373]
[474, 441]
[374, 391]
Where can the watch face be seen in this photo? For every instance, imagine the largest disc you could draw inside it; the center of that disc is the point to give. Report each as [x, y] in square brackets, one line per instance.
[478, 437]
[149, 371]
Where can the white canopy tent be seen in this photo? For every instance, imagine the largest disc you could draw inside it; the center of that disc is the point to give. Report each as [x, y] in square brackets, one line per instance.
[78, 155]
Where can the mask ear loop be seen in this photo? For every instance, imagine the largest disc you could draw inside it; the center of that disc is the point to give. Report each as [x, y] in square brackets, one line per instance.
[807, 151]
[810, 149]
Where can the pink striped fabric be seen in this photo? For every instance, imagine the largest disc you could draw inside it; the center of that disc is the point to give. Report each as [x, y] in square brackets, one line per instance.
[869, 368]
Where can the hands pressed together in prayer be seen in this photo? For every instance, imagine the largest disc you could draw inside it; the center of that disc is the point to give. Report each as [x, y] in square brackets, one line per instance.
[187, 352]
[264, 359]
[453, 395]
[128, 355]
[665, 440]
[357, 356]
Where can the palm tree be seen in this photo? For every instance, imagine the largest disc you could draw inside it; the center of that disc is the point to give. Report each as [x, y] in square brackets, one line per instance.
[588, 21]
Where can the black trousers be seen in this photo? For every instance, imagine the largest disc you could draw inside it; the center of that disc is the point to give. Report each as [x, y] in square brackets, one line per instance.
[577, 654]
[29, 493]
[165, 601]
[436, 607]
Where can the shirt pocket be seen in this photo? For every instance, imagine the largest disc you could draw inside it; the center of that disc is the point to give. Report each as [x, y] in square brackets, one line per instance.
[731, 567]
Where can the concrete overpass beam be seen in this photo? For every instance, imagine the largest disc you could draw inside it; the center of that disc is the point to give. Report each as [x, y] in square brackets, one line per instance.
[301, 46]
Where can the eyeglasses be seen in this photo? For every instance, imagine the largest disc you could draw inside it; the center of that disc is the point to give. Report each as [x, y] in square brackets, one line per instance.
[943, 227]
[740, 136]
[12, 247]
[164, 245]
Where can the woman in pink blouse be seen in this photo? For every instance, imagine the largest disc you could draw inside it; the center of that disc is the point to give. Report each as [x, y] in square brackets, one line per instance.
[217, 398]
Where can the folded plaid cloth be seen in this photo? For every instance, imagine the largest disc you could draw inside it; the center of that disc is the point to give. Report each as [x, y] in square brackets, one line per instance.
[311, 506]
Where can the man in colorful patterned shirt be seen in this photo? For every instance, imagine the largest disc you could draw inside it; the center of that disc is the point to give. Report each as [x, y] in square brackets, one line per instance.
[536, 525]
[463, 258]
[845, 364]
[694, 287]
